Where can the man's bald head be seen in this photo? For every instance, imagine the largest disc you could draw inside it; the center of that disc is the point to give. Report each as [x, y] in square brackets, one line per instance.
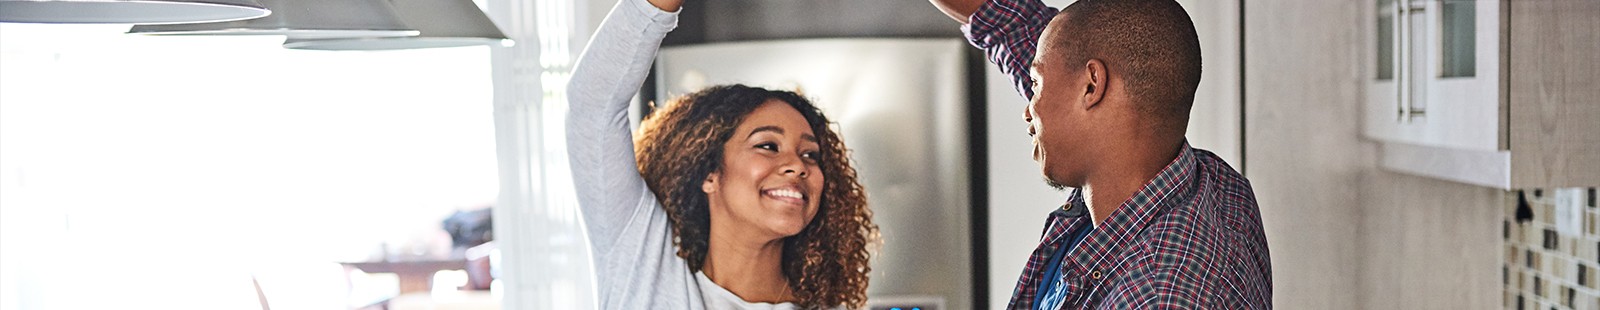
[1150, 44]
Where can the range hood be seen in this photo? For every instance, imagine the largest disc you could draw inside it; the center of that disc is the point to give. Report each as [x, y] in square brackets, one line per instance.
[303, 19]
[128, 11]
[443, 23]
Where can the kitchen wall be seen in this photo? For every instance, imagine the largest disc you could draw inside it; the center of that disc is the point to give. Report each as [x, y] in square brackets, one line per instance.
[1345, 234]
[1426, 243]
[1552, 251]
[1305, 154]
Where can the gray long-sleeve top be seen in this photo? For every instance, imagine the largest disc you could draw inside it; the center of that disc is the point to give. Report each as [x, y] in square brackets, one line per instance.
[635, 262]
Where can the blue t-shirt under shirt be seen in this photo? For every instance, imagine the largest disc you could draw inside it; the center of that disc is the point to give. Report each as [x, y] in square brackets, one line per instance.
[1051, 291]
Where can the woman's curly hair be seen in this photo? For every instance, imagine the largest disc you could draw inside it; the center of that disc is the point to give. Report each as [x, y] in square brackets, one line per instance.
[681, 143]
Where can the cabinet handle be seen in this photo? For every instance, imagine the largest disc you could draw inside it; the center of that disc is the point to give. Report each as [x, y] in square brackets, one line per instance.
[1425, 8]
[1402, 34]
[1404, 76]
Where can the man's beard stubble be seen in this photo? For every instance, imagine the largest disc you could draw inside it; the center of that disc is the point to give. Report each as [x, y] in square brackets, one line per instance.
[1053, 184]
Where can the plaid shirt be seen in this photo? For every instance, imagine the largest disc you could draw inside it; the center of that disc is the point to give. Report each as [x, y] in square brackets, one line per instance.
[1007, 30]
[1190, 238]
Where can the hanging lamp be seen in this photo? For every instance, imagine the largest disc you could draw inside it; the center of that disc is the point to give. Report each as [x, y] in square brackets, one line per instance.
[303, 19]
[128, 11]
[443, 23]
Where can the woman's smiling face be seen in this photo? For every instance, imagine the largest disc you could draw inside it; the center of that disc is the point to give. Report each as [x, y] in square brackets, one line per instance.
[770, 182]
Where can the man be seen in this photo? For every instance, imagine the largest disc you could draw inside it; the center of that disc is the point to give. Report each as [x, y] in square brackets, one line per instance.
[1153, 223]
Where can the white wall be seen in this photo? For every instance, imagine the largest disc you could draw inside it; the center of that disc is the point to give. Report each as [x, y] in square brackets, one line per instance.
[1215, 120]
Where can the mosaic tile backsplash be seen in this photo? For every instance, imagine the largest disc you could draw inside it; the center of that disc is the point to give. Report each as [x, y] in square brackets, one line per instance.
[1552, 249]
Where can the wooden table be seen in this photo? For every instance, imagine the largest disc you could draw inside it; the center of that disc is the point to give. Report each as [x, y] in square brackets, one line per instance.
[415, 276]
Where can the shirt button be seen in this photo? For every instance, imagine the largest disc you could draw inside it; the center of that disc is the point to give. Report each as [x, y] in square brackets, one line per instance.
[1094, 274]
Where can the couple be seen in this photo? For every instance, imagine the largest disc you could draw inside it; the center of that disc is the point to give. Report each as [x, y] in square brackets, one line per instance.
[744, 198]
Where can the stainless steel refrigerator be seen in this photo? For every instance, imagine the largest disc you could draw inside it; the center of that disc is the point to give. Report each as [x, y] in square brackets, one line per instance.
[902, 106]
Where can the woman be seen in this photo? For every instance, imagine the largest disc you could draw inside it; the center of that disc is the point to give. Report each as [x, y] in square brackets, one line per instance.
[738, 197]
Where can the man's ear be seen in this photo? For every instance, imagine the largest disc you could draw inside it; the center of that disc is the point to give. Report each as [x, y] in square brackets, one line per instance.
[710, 185]
[1095, 71]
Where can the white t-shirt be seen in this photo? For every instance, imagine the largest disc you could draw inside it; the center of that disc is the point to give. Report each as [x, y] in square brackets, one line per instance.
[718, 298]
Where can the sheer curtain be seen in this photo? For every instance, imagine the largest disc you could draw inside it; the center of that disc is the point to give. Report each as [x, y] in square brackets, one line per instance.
[545, 259]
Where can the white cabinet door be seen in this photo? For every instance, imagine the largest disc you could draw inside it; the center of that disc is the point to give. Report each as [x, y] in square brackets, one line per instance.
[1435, 73]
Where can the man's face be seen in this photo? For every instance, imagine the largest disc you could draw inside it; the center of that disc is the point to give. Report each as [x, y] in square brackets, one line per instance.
[1055, 116]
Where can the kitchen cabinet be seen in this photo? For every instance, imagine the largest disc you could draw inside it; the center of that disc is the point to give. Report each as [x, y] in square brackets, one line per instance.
[1435, 73]
[1494, 93]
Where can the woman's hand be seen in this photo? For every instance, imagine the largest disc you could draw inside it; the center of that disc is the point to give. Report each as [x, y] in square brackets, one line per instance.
[667, 5]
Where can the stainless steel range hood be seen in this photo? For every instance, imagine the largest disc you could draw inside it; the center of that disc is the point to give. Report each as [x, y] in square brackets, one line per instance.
[128, 11]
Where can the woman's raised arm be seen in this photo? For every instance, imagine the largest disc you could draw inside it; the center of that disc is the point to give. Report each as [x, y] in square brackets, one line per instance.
[599, 143]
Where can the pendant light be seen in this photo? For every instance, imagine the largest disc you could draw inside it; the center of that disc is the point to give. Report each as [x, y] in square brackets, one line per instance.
[128, 11]
[303, 19]
[443, 23]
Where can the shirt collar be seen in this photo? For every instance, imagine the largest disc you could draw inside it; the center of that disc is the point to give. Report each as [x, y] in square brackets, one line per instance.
[1173, 184]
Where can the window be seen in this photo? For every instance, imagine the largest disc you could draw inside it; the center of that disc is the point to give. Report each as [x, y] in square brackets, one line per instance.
[165, 171]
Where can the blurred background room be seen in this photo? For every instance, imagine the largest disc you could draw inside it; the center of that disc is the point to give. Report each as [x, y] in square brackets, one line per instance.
[410, 154]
